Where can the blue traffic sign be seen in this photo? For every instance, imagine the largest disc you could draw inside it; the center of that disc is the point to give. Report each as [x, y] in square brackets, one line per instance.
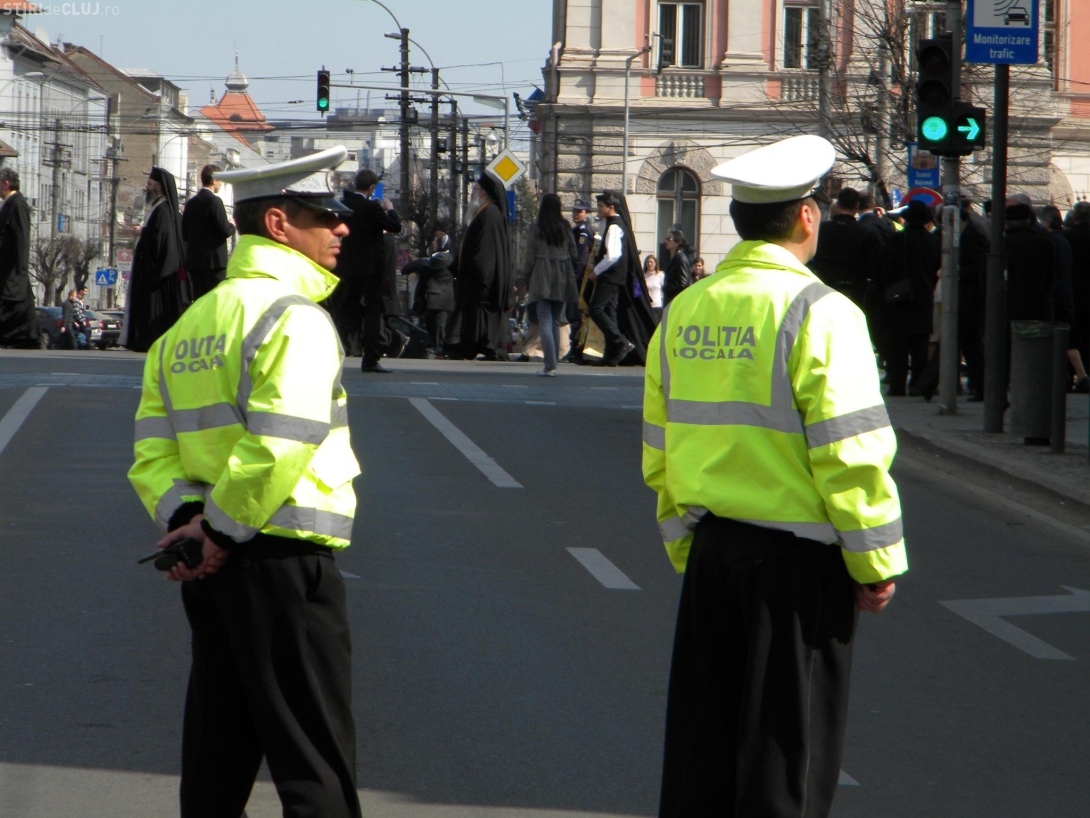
[923, 168]
[1002, 31]
[105, 277]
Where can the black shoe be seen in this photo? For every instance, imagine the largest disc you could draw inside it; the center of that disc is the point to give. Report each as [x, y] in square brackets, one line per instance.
[1082, 385]
[374, 368]
[620, 355]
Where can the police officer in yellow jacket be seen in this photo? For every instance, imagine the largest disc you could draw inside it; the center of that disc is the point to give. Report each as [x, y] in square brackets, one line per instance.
[242, 444]
[768, 444]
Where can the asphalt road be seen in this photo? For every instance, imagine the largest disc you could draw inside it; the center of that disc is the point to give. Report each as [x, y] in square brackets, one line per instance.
[495, 673]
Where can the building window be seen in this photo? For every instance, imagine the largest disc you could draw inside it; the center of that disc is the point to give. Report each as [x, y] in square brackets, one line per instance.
[1051, 55]
[679, 206]
[801, 25]
[682, 28]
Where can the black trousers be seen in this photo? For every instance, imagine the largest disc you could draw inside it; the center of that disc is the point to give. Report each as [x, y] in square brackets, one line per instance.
[271, 678]
[899, 347]
[758, 698]
[378, 339]
[435, 322]
[971, 342]
[603, 311]
[204, 281]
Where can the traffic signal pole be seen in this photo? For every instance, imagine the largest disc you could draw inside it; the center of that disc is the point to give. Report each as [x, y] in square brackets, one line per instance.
[949, 362]
[995, 307]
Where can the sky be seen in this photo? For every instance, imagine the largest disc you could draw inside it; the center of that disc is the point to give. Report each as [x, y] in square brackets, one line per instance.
[282, 44]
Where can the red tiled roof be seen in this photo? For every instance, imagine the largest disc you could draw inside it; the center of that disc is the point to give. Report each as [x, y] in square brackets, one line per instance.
[237, 112]
[7, 151]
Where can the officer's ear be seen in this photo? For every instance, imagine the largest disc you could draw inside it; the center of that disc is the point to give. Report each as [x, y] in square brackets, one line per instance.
[809, 219]
[276, 221]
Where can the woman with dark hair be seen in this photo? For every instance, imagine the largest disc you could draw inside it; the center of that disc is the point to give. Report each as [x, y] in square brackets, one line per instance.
[551, 256]
[678, 274]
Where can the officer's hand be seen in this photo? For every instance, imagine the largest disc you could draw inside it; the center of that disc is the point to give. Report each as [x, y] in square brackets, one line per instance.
[212, 555]
[874, 597]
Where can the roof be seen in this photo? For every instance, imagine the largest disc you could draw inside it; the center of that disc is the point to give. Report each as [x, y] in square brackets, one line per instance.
[21, 38]
[6, 150]
[237, 112]
[145, 73]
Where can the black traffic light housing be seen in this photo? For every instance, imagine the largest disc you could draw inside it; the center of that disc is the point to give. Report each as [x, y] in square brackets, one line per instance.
[944, 126]
[323, 91]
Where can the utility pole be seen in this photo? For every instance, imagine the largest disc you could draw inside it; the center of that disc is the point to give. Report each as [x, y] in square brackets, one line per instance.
[56, 161]
[824, 59]
[405, 195]
[951, 230]
[995, 315]
[452, 152]
[113, 154]
[433, 177]
[882, 146]
[465, 168]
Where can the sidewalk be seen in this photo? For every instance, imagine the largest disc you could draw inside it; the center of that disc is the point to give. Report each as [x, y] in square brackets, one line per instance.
[1067, 474]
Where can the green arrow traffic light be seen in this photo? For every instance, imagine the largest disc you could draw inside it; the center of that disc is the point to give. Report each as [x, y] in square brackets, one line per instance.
[934, 129]
[971, 129]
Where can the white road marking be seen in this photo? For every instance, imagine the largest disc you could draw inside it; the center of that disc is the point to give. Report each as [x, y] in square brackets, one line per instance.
[424, 383]
[540, 403]
[438, 398]
[18, 413]
[988, 614]
[489, 467]
[846, 780]
[512, 386]
[629, 406]
[347, 575]
[607, 388]
[603, 570]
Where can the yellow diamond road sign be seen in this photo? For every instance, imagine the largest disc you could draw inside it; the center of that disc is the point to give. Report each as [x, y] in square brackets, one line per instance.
[507, 168]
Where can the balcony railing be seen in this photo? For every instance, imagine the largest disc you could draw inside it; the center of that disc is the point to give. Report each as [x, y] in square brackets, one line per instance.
[679, 86]
[798, 87]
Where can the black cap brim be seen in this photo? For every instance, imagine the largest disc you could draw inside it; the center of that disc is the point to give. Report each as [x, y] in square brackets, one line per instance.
[324, 204]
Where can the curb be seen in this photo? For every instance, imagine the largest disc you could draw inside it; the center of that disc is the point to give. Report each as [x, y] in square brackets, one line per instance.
[983, 456]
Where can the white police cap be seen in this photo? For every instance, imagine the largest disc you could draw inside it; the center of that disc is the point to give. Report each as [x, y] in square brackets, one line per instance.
[784, 171]
[309, 180]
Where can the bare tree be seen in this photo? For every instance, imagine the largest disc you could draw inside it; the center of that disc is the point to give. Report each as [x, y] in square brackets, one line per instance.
[80, 256]
[49, 265]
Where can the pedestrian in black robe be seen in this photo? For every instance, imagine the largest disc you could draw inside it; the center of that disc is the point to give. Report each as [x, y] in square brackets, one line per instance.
[18, 320]
[635, 315]
[159, 291]
[483, 294]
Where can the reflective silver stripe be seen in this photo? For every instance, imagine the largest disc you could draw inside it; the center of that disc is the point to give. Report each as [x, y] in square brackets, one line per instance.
[674, 528]
[219, 520]
[664, 359]
[173, 498]
[871, 539]
[840, 428]
[820, 532]
[153, 428]
[326, 523]
[288, 427]
[654, 436]
[790, 327]
[338, 415]
[733, 413]
[215, 416]
[256, 336]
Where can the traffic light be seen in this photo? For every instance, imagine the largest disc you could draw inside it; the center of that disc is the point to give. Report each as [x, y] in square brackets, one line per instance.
[945, 127]
[323, 91]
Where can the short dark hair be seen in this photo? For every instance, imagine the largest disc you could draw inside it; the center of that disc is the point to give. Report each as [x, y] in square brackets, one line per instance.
[866, 201]
[677, 236]
[1080, 213]
[206, 174]
[848, 198]
[11, 176]
[1050, 217]
[609, 198]
[250, 215]
[766, 222]
[365, 179]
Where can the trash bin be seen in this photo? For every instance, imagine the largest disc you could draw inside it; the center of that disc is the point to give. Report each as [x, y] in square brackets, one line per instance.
[1032, 353]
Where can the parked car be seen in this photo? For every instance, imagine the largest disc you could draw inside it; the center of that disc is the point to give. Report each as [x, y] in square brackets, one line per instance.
[50, 322]
[105, 329]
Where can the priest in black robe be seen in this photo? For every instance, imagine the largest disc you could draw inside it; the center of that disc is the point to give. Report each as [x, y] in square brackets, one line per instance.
[483, 297]
[18, 320]
[159, 290]
[635, 316]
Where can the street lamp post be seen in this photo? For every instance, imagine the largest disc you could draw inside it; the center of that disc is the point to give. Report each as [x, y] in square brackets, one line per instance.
[624, 141]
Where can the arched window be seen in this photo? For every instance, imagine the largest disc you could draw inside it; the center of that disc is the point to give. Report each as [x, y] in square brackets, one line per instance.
[679, 206]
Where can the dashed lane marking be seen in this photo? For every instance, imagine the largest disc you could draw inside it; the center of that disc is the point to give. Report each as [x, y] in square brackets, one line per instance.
[18, 413]
[541, 403]
[474, 454]
[846, 780]
[603, 570]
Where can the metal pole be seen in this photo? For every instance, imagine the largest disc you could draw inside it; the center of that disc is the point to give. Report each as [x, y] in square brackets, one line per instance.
[949, 377]
[995, 324]
[452, 152]
[882, 147]
[405, 194]
[824, 58]
[433, 177]
[465, 170]
[624, 140]
[1058, 425]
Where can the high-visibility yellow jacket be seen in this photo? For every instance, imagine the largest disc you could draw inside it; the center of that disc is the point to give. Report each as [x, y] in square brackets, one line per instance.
[762, 404]
[242, 407]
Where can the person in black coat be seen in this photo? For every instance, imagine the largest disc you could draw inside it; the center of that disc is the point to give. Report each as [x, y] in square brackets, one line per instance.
[483, 293]
[159, 291]
[433, 297]
[205, 230]
[1078, 236]
[847, 252]
[678, 274]
[972, 282]
[1063, 302]
[365, 295]
[913, 258]
[18, 320]
[1032, 263]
